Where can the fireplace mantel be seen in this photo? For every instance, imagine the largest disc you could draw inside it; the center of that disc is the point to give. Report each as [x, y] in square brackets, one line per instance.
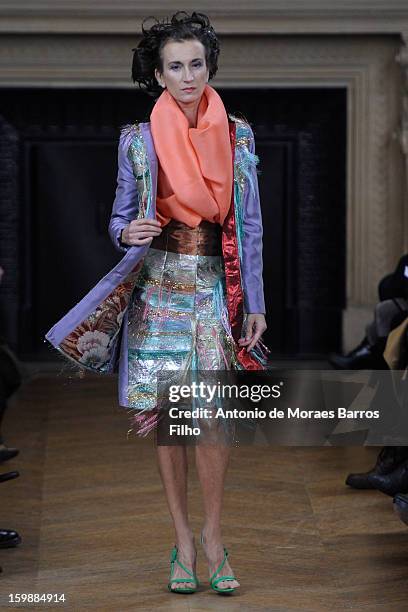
[228, 16]
[355, 44]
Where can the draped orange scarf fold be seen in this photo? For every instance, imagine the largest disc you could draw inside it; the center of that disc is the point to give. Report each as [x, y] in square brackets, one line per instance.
[195, 164]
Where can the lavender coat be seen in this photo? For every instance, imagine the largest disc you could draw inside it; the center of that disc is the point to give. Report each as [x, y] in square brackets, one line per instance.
[125, 209]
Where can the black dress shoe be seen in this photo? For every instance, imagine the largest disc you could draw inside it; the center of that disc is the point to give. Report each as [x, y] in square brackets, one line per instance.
[401, 507]
[7, 453]
[391, 484]
[388, 460]
[364, 357]
[9, 538]
[9, 476]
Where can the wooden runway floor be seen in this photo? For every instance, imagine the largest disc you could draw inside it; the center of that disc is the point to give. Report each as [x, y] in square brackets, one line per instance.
[94, 522]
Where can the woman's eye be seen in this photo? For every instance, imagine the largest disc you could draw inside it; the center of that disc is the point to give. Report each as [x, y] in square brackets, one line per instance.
[177, 66]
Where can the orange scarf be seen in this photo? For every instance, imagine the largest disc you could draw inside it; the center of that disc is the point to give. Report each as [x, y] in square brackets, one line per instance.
[195, 171]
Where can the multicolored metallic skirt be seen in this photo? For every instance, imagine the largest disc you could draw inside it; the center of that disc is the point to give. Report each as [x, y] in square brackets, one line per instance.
[177, 317]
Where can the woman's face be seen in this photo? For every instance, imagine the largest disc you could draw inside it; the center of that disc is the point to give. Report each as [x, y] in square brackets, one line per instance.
[184, 67]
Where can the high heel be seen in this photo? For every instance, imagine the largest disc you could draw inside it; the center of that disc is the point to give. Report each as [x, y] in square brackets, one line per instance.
[194, 579]
[213, 580]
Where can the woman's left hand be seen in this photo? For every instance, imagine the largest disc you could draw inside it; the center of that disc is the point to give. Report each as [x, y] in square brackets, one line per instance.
[255, 327]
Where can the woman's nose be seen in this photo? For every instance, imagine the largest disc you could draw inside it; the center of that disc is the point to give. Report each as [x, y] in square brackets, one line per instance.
[188, 76]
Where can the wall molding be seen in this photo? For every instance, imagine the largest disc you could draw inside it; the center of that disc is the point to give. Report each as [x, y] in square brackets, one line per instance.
[228, 17]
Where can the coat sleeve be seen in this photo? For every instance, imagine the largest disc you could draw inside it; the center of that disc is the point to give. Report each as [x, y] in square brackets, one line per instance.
[126, 204]
[252, 263]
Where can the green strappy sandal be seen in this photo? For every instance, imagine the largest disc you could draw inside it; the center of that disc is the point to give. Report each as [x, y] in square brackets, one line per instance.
[214, 581]
[194, 579]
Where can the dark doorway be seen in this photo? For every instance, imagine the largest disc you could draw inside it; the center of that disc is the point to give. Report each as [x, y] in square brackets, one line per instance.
[301, 141]
[59, 184]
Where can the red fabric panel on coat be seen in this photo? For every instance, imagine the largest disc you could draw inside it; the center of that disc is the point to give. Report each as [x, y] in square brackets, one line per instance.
[235, 298]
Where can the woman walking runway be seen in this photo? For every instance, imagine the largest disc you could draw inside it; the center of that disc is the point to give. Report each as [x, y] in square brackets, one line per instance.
[187, 217]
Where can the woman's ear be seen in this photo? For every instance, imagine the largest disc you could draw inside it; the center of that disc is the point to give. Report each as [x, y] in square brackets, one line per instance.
[159, 78]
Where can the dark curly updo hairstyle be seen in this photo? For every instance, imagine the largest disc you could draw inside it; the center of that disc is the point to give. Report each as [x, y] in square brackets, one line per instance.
[182, 26]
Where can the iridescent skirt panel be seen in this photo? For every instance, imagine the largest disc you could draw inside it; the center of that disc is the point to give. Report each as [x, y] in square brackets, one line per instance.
[177, 320]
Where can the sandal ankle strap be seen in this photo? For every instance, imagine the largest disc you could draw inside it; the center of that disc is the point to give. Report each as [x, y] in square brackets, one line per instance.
[173, 560]
[221, 565]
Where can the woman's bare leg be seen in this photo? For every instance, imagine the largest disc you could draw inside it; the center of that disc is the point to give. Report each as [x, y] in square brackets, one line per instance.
[173, 468]
[212, 462]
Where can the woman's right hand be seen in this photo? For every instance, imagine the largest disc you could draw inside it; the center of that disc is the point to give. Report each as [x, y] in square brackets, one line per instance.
[140, 231]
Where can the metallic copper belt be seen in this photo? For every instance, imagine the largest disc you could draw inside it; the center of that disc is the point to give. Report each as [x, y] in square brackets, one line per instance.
[177, 237]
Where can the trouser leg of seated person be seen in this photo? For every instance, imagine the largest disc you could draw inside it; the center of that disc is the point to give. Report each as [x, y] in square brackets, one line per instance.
[387, 316]
[5, 452]
[400, 504]
[395, 285]
[369, 353]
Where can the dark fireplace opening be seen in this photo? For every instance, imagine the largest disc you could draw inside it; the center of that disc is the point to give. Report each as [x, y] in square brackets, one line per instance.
[58, 152]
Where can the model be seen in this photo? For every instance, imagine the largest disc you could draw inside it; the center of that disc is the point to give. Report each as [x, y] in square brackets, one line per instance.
[187, 217]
